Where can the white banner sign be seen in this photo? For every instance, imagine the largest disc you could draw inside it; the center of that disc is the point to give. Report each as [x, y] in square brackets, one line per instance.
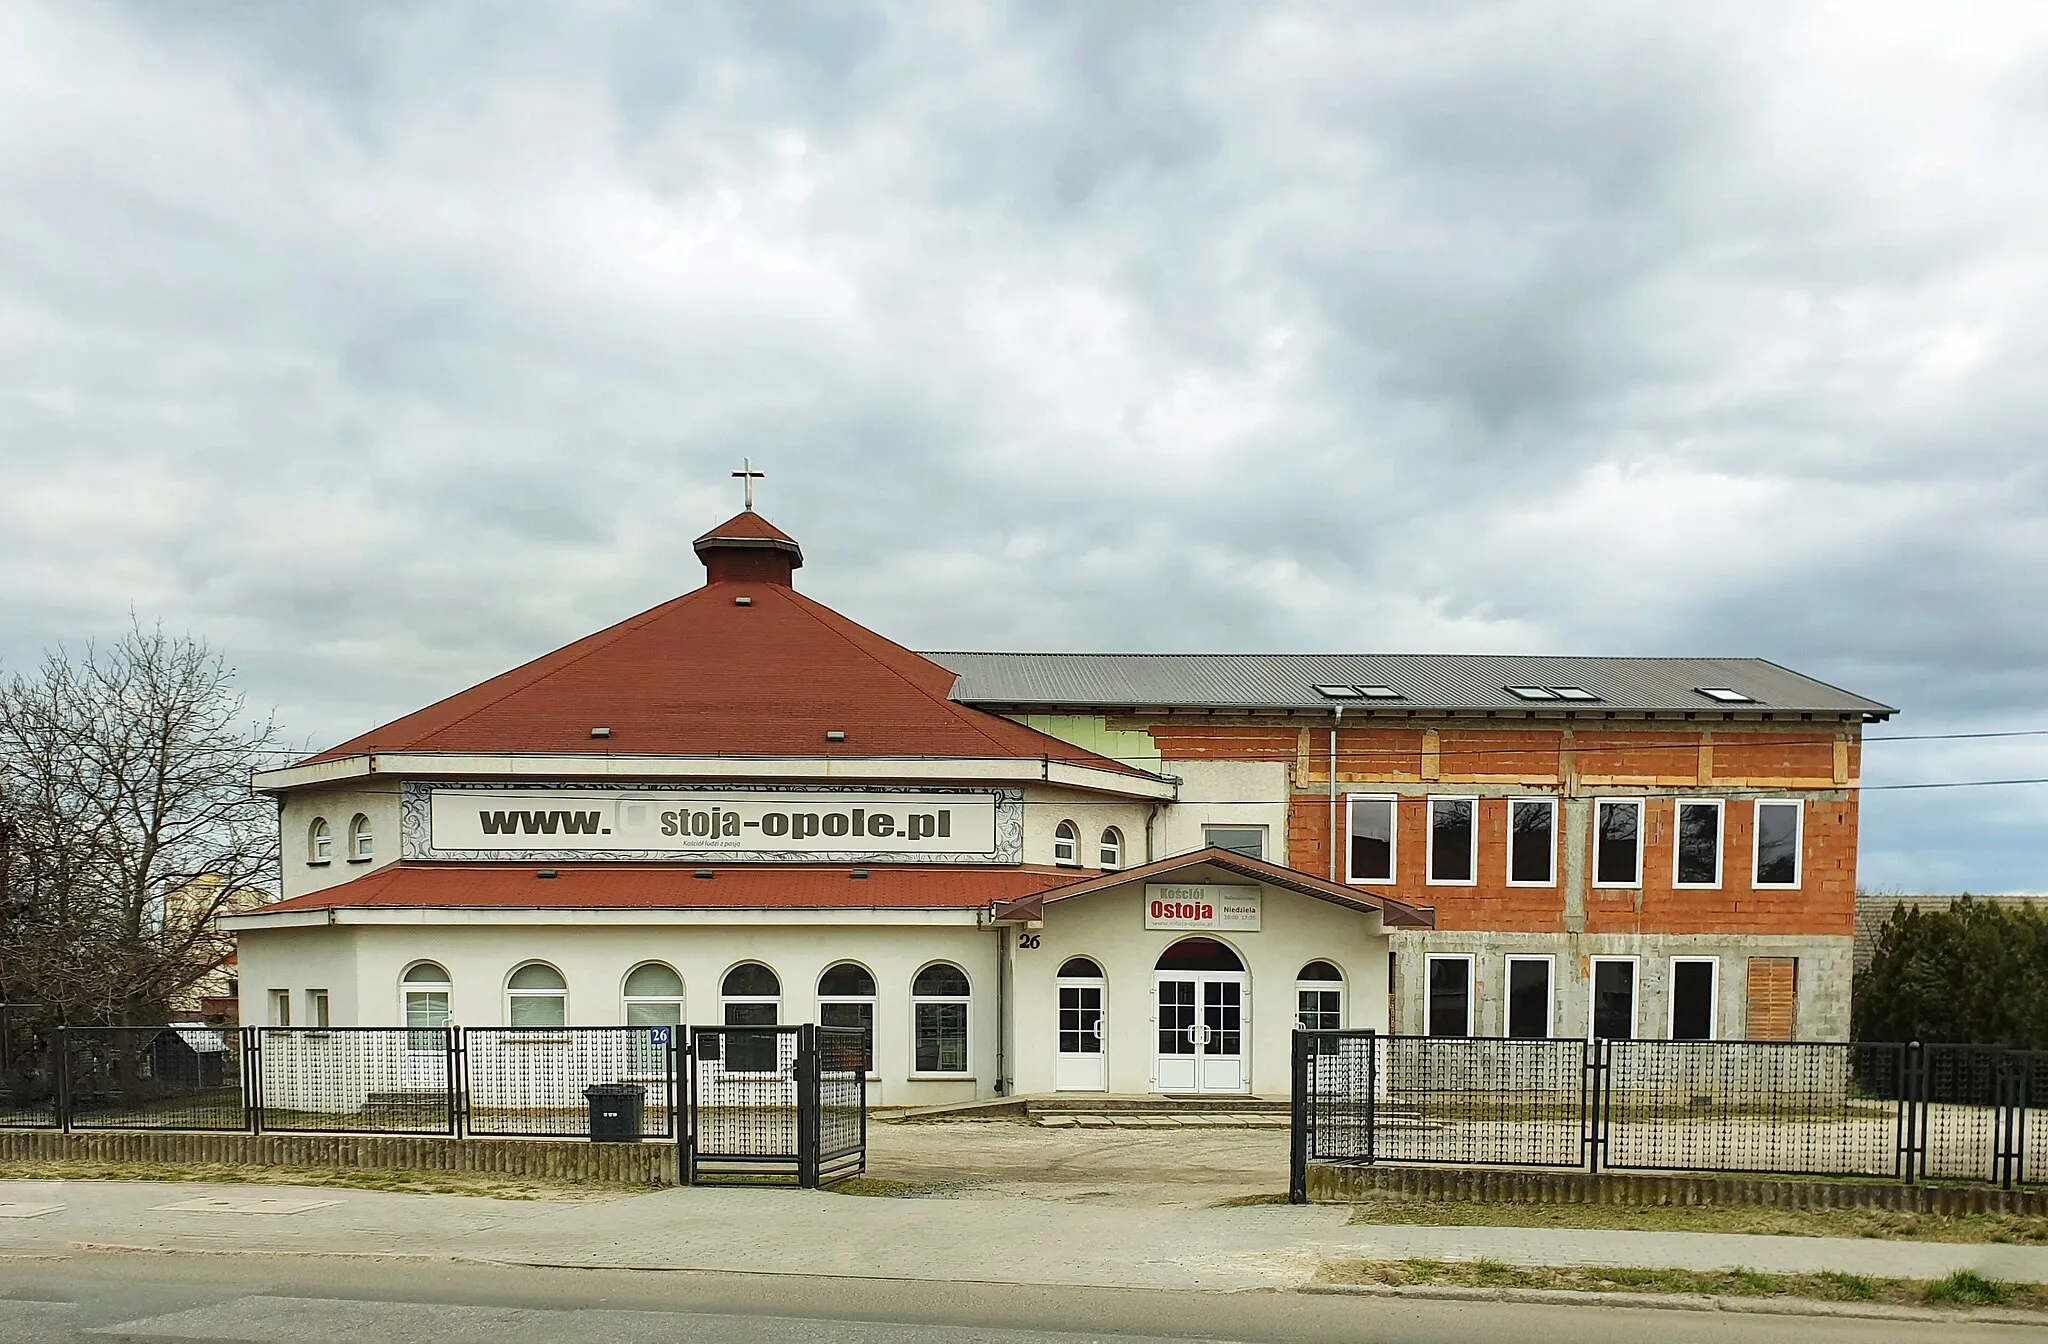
[935, 826]
[1170, 905]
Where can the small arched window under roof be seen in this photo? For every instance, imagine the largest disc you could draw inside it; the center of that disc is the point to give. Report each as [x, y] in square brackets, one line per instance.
[1079, 968]
[1066, 843]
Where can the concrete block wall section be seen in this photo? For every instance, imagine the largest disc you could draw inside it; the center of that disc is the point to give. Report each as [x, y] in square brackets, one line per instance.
[1337, 1184]
[647, 1164]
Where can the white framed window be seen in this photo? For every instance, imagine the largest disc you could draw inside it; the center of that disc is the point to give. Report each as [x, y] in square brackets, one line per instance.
[1066, 845]
[1532, 997]
[1110, 852]
[536, 995]
[362, 844]
[280, 1007]
[319, 841]
[653, 998]
[1617, 842]
[1249, 841]
[1447, 979]
[1532, 842]
[939, 1001]
[1611, 1010]
[1779, 842]
[846, 998]
[424, 996]
[1696, 843]
[750, 995]
[316, 1008]
[1695, 999]
[1319, 997]
[1374, 844]
[1453, 842]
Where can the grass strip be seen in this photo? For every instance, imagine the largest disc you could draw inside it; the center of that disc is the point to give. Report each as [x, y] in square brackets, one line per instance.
[352, 1178]
[1964, 1288]
[1871, 1224]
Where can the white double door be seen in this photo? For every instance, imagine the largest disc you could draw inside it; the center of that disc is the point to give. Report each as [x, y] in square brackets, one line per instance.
[1201, 1025]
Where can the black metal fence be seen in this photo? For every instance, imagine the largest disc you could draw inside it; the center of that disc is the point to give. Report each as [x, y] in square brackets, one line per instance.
[1887, 1111]
[785, 1102]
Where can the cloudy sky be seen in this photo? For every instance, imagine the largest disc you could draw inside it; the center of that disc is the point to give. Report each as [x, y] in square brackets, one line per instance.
[388, 345]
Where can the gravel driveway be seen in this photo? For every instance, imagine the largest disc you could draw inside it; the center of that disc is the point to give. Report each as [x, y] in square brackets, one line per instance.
[982, 1159]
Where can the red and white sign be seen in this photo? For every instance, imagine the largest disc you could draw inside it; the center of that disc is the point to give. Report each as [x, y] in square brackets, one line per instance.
[1191, 905]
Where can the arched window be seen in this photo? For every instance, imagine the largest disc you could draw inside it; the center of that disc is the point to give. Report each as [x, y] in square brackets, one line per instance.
[938, 1014]
[1319, 997]
[424, 993]
[319, 841]
[751, 996]
[361, 844]
[1066, 844]
[1111, 854]
[654, 1002]
[536, 995]
[1080, 968]
[846, 998]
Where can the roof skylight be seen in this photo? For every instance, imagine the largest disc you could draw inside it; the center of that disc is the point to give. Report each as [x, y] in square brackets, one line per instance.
[1572, 693]
[1338, 692]
[1532, 693]
[1725, 695]
[1380, 693]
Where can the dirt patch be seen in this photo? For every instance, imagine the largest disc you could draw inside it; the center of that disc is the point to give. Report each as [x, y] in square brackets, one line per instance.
[1874, 1224]
[990, 1159]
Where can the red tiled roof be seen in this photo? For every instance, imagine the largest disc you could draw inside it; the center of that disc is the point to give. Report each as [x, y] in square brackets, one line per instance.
[703, 676]
[615, 887]
[748, 526]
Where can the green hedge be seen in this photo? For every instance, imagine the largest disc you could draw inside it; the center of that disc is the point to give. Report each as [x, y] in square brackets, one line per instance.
[1976, 972]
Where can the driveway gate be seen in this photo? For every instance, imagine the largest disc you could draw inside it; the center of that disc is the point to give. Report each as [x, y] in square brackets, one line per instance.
[787, 1102]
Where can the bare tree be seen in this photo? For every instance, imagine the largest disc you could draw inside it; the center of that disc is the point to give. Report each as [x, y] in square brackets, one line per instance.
[127, 825]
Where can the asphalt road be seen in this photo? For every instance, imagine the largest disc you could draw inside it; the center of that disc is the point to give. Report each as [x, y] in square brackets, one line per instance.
[102, 1297]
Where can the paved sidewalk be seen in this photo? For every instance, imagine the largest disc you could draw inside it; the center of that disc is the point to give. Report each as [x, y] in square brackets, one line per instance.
[801, 1232]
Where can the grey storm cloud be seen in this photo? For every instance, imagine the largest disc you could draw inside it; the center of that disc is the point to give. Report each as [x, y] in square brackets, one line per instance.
[388, 345]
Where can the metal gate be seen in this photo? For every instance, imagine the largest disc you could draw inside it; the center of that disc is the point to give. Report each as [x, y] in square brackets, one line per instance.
[786, 1103]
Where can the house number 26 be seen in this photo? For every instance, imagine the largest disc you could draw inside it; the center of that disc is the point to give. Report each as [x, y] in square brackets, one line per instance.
[1027, 942]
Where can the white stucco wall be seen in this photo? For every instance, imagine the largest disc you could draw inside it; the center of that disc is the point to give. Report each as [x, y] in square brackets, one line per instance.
[340, 805]
[1109, 928]
[1217, 793]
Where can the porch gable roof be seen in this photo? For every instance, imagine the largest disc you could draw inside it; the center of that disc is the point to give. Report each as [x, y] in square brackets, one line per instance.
[1395, 914]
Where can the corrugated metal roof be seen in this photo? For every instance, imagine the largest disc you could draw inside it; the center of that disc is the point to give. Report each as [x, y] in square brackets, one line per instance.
[1447, 681]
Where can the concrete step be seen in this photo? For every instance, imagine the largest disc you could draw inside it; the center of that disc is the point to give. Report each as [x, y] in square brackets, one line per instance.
[1101, 1103]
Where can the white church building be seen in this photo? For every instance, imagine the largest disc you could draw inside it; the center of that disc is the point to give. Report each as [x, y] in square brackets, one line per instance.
[742, 808]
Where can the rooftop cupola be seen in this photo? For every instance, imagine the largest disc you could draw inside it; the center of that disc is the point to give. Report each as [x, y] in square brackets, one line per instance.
[747, 548]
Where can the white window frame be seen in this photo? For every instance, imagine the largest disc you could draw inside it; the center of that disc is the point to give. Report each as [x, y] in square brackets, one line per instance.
[629, 1001]
[1635, 1001]
[317, 1008]
[1720, 806]
[362, 839]
[445, 987]
[561, 994]
[1340, 987]
[1756, 843]
[1066, 845]
[1393, 802]
[319, 843]
[1429, 842]
[1507, 992]
[873, 1001]
[1109, 850]
[966, 1001]
[1265, 835]
[1508, 862]
[726, 1000]
[1671, 997]
[280, 1007]
[1594, 867]
[1429, 959]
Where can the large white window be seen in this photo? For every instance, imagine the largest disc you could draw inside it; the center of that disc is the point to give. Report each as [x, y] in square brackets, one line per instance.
[362, 845]
[938, 1015]
[751, 996]
[425, 994]
[846, 998]
[1110, 853]
[1066, 844]
[319, 841]
[1371, 853]
[1617, 842]
[1532, 842]
[1319, 997]
[1779, 832]
[1449, 1007]
[536, 995]
[1613, 1011]
[653, 995]
[1696, 852]
[1695, 998]
[1531, 1001]
[1453, 841]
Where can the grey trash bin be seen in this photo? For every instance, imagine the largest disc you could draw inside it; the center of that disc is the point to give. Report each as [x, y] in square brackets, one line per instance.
[615, 1112]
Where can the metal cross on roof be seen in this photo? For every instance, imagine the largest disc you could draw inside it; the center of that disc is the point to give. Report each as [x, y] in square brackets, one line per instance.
[747, 474]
